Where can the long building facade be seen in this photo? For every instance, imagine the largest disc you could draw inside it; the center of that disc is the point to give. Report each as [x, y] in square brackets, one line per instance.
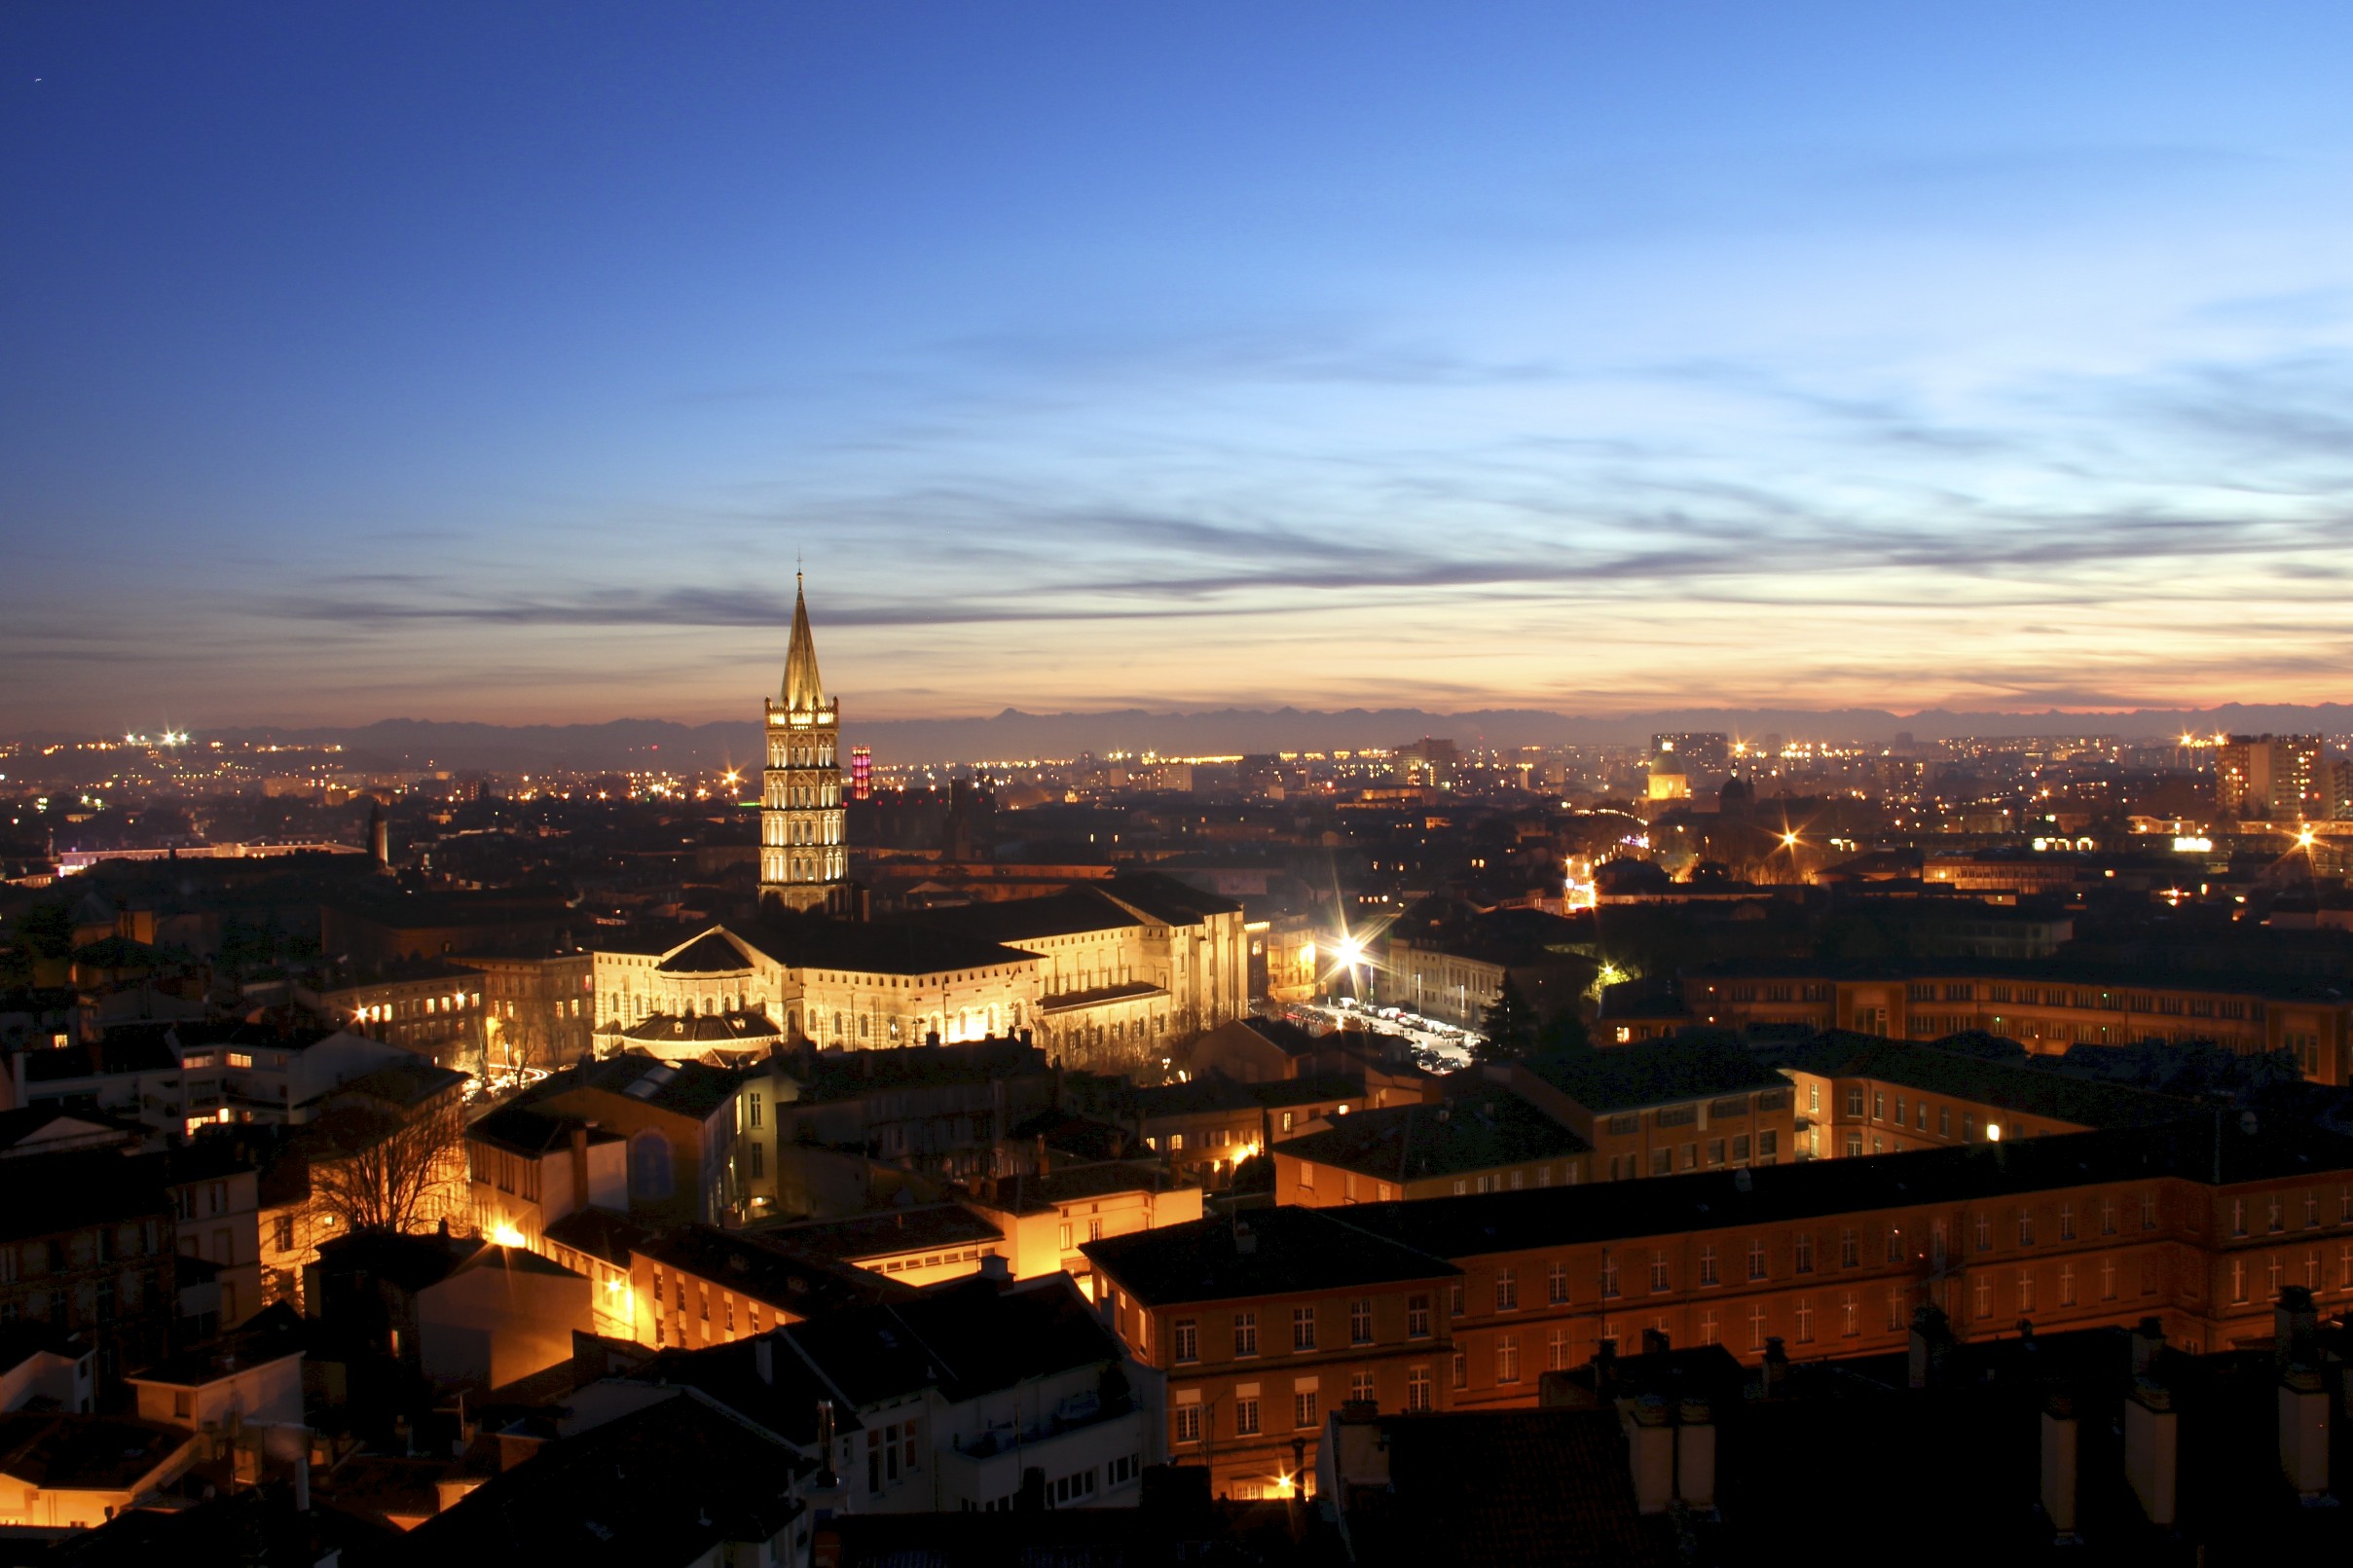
[1250, 1329]
[2048, 1008]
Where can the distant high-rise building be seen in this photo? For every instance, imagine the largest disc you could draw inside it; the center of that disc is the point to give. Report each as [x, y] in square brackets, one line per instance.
[804, 856]
[861, 772]
[2336, 788]
[2277, 775]
[1692, 752]
[1428, 761]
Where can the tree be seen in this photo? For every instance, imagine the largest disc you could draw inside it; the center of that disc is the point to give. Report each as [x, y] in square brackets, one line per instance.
[373, 1169]
[49, 931]
[1509, 1025]
[1566, 1033]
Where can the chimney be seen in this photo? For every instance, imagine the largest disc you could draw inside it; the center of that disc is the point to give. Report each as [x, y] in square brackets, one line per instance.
[579, 1169]
[2304, 1433]
[1245, 1239]
[1774, 1381]
[2294, 1328]
[302, 1476]
[1650, 1451]
[2059, 1473]
[1655, 1342]
[1695, 1455]
[1042, 1154]
[993, 1266]
[764, 1360]
[2152, 1441]
[1931, 1346]
[2147, 1345]
[826, 1480]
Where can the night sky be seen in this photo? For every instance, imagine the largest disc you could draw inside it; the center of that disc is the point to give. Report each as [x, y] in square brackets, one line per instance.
[496, 362]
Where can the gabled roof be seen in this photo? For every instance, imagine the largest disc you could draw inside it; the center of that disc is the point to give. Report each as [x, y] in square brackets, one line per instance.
[1070, 912]
[711, 953]
[897, 947]
[53, 1129]
[1165, 899]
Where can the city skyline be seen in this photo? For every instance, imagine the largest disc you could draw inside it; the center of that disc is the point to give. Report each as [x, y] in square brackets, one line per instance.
[422, 365]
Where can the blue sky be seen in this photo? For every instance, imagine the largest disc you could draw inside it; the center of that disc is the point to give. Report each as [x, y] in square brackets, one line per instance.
[499, 363]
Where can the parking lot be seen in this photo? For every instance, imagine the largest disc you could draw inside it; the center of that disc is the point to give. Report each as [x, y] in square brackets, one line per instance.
[1437, 1047]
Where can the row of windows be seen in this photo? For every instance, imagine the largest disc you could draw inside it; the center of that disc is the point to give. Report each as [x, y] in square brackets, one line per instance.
[1714, 1152]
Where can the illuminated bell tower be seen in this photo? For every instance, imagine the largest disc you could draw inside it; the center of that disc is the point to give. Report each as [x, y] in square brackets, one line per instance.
[803, 857]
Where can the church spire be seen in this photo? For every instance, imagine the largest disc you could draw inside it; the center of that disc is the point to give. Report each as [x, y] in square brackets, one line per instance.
[803, 691]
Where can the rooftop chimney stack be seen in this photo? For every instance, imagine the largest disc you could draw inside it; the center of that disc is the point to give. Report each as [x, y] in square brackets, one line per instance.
[2304, 1433]
[2295, 1328]
[1650, 1450]
[1695, 1455]
[2153, 1446]
[2148, 1344]
[2060, 1458]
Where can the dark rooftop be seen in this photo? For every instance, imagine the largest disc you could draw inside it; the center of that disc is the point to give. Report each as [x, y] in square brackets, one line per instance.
[843, 1075]
[2088, 973]
[1215, 1091]
[708, 954]
[63, 1452]
[2016, 1086]
[668, 1483]
[1674, 1205]
[966, 1339]
[1076, 1184]
[691, 1089]
[1504, 1488]
[917, 1228]
[1012, 920]
[800, 1282]
[1651, 1073]
[524, 1129]
[1166, 900]
[894, 947]
[1271, 1251]
[1407, 1143]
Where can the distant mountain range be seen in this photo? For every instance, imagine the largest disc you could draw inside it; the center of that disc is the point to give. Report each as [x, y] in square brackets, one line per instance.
[1014, 734]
